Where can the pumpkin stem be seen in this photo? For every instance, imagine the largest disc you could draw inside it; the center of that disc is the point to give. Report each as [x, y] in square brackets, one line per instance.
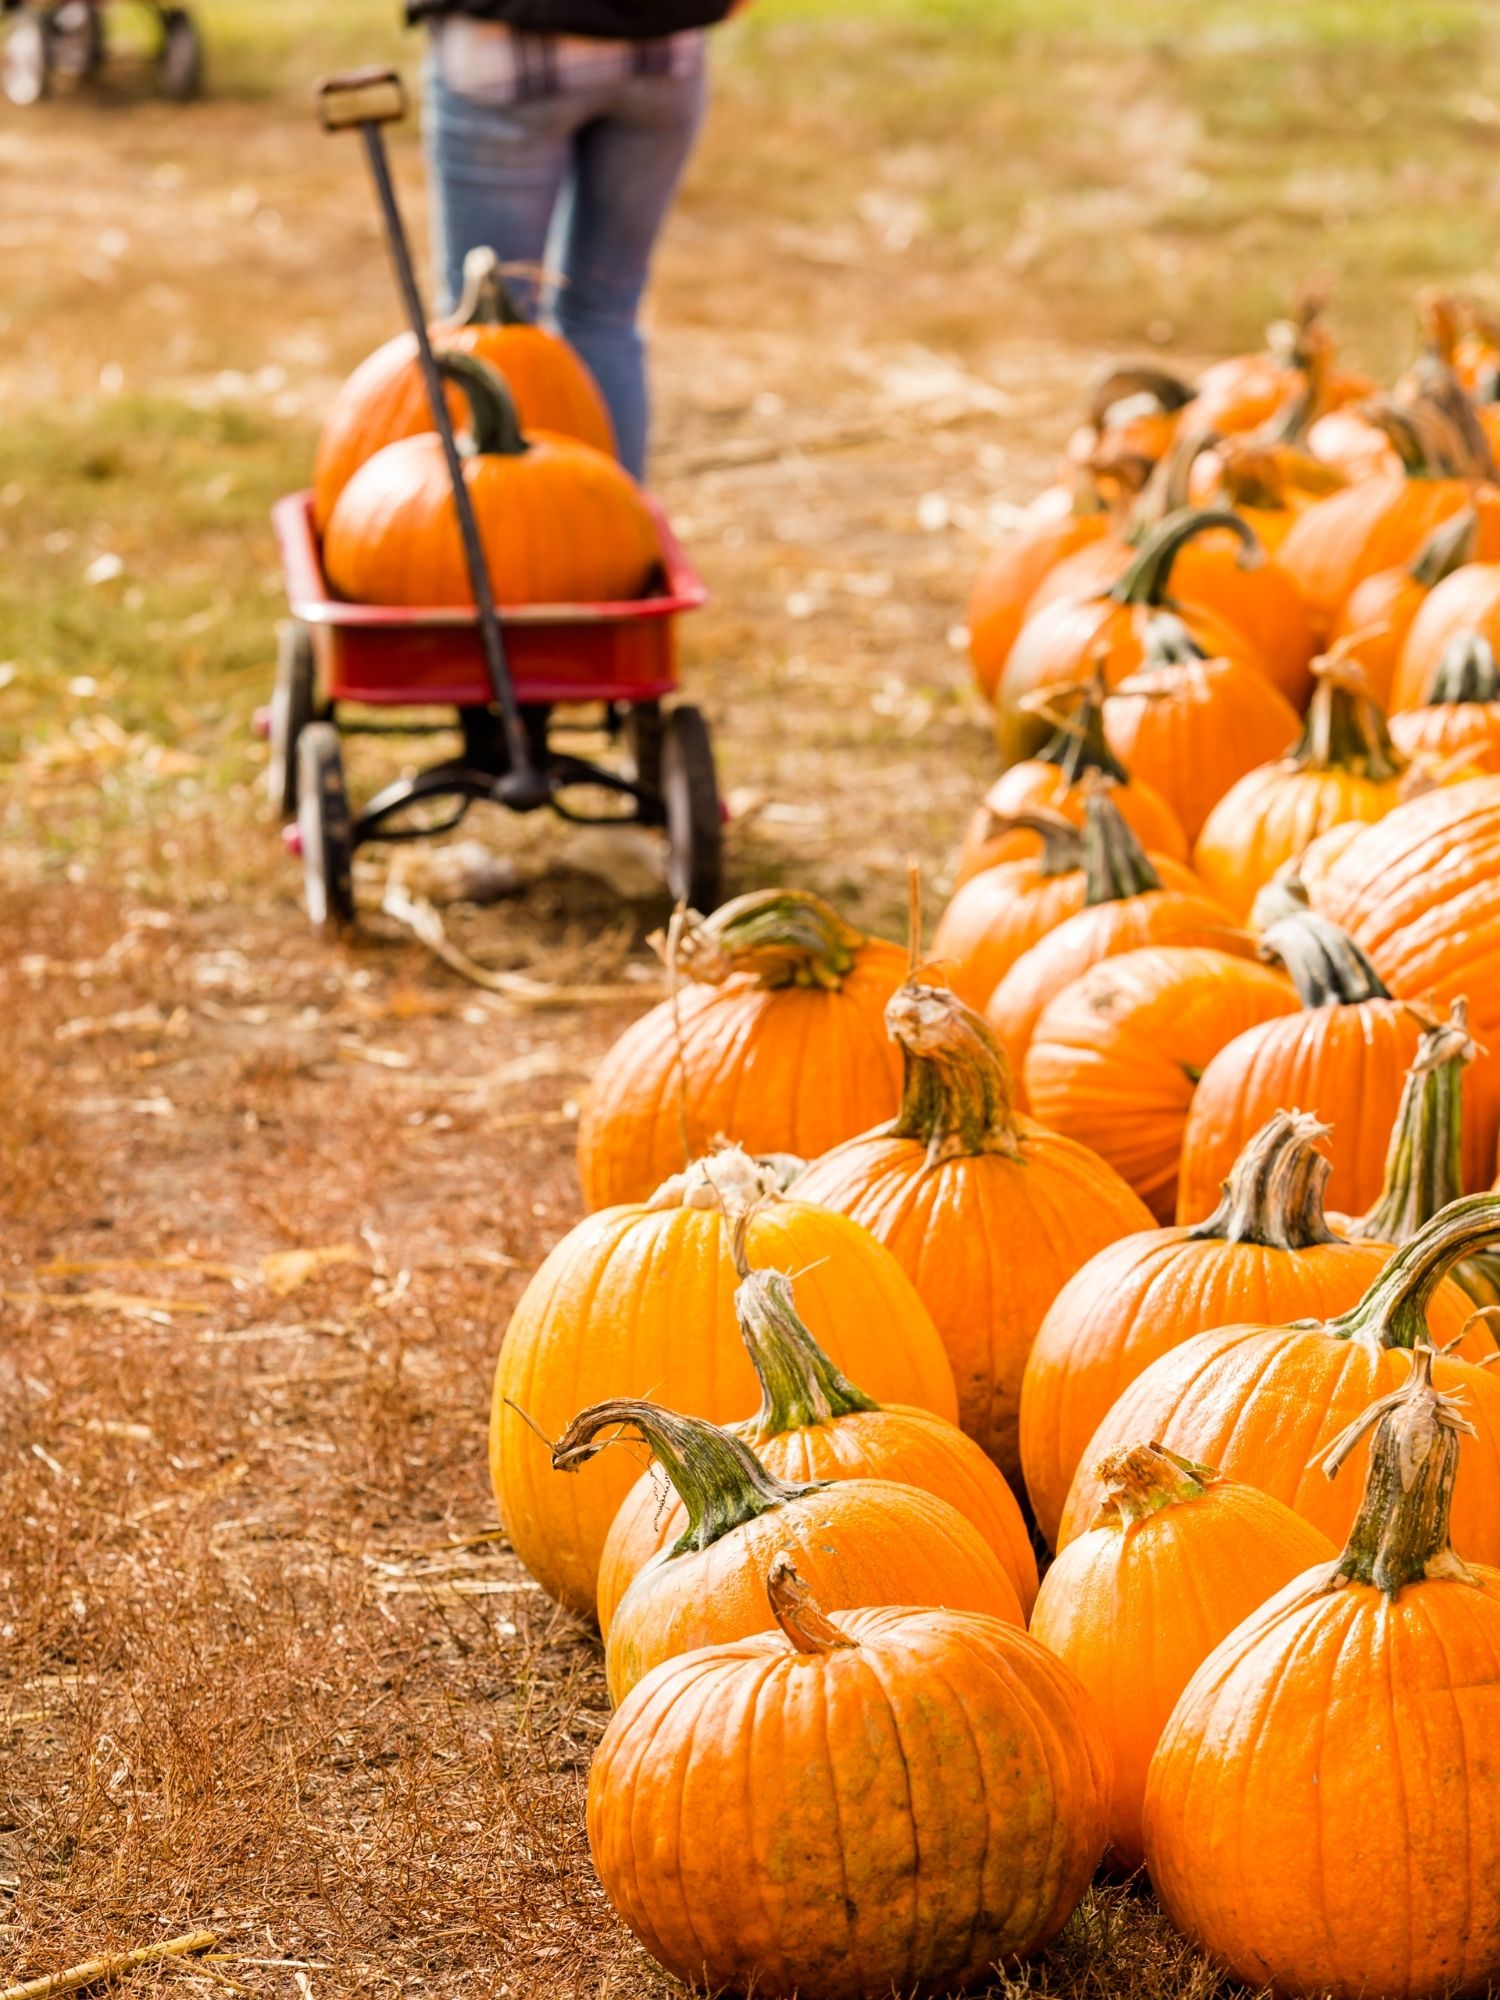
[1143, 1479]
[1062, 842]
[1169, 490]
[486, 299]
[1345, 728]
[1326, 966]
[728, 1179]
[1146, 581]
[1393, 1312]
[1274, 1193]
[784, 937]
[1169, 392]
[1078, 743]
[800, 1386]
[1401, 1534]
[1115, 865]
[494, 428]
[1468, 671]
[807, 1627]
[1451, 544]
[718, 1478]
[957, 1096]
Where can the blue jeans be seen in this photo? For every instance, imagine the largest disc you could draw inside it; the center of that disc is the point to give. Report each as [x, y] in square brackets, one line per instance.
[580, 180]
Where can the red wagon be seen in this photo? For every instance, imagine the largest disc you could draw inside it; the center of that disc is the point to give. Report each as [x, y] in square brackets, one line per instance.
[67, 38]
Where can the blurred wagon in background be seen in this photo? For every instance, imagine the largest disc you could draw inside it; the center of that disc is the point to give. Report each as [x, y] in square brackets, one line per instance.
[69, 39]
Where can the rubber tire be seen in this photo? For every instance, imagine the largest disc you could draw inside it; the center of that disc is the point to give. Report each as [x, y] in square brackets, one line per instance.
[77, 52]
[324, 823]
[690, 794]
[642, 730]
[26, 61]
[179, 66]
[294, 705]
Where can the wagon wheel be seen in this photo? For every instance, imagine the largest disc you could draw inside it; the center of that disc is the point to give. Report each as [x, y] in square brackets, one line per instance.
[326, 836]
[643, 730]
[293, 707]
[690, 795]
[179, 65]
[26, 60]
[76, 34]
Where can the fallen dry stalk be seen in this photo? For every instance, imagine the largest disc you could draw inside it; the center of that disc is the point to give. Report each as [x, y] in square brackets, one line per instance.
[426, 925]
[110, 1966]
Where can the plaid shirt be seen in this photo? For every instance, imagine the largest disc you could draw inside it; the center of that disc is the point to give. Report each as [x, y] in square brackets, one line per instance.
[502, 65]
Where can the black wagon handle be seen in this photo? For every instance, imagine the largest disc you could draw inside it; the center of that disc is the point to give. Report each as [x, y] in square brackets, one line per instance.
[367, 100]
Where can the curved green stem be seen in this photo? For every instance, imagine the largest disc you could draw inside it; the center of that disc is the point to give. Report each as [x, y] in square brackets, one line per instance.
[1146, 580]
[1141, 1480]
[1062, 842]
[1326, 966]
[1169, 392]
[800, 1386]
[717, 1477]
[1274, 1193]
[1078, 744]
[1345, 729]
[486, 300]
[1393, 1312]
[1451, 544]
[494, 428]
[1115, 865]
[957, 1096]
[785, 937]
[1467, 672]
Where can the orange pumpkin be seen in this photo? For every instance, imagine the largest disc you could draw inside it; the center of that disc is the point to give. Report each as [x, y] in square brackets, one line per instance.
[1340, 1738]
[1266, 1253]
[1265, 1402]
[641, 1299]
[560, 523]
[1125, 906]
[779, 990]
[1459, 720]
[1115, 1057]
[1011, 575]
[988, 1213]
[1344, 1057]
[1465, 605]
[1176, 1557]
[859, 1541]
[1378, 613]
[1132, 411]
[1251, 391]
[756, 1813]
[385, 399]
[1342, 766]
[814, 1424]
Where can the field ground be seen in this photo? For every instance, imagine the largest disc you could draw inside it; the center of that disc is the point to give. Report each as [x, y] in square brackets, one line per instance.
[263, 1665]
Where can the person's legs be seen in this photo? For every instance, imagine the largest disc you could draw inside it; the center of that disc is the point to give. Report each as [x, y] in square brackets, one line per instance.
[494, 173]
[626, 165]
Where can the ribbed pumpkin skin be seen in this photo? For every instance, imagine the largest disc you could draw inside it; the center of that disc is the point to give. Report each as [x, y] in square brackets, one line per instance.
[1345, 1064]
[907, 1446]
[1103, 930]
[1192, 730]
[1006, 582]
[859, 1542]
[987, 1242]
[1114, 1056]
[560, 524]
[897, 1816]
[1375, 524]
[639, 1300]
[1390, 599]
[1264, 1404]
[1466, 601]
[1352, 1852]
[789, 1069]
[1421, 893]
[1466, 731]
[1270, 815]
[385, 399]
[1136, 1608]
[1140, 1298]
[1034, 783]
[1000, 913]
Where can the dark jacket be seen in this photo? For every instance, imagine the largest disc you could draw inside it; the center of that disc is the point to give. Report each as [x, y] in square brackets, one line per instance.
[613, 20]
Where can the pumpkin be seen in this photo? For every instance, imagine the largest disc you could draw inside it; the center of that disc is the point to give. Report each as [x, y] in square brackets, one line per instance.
[1124, 906]
[860, 1541]
[1250, 391]
[1421, 893]
[559, 522]
[1464, 606]
[1459, 720]
[1115, 1057]
[1342, 766]
[1379, 523]
[1111, 629]
[1011, 575]
[1338, 1745]
[1132, 412]
[1176, 1557]
[1344, 1057]
[1424, 1161]
[999, 913]
[814, 1424]
[641, 1299]
[385, 399]
[1191, 727]
[988, 1213]
[1057, 778]
[1268, 487]
[779, 990]
[895, 1802]
[1264, 1254]
[1265, 1402]
[1378, 613]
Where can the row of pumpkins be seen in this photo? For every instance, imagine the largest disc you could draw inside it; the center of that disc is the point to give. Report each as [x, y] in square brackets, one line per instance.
[1150, 1201]
[560, 519]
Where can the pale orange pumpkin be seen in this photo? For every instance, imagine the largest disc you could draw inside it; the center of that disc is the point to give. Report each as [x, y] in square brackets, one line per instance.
[1378, 613]
[1459, 719]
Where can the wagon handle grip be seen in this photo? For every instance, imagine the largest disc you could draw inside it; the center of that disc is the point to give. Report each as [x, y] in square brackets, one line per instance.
[371, 96]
